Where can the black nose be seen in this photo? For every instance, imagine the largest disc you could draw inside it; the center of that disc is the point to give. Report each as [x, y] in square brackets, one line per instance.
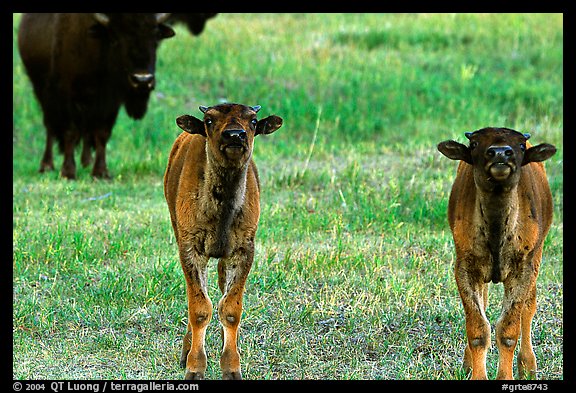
[142, 80]
[499, 151]
[234, 135]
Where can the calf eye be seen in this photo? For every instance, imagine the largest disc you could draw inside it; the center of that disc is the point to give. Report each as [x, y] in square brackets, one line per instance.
[523, 147]
[208, 122]
[473, 145]
[254, 122]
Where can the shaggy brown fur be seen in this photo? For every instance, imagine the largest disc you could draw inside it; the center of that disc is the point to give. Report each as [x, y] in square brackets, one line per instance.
[212, 189]
[500, 211]
[84, 68]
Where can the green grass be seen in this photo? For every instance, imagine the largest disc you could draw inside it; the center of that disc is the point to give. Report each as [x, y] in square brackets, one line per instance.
[352, 276]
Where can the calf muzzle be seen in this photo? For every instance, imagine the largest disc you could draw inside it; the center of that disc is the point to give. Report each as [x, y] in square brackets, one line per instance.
[501, 161]
[234, 136]
[234, 143]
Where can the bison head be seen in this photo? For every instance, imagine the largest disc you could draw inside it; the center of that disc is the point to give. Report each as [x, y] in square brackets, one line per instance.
[496, 154]
[131, 41]
[230, 130]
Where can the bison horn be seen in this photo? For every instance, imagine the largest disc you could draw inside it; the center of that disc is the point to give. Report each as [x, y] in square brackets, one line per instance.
[103, 19]
[468, 134]
[203, 108]
[256, 108]
[527, 136]
[161, 18]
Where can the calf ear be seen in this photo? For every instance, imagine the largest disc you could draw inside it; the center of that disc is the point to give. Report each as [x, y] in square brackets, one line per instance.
[191, 125]
[455, 151]
[268, 125]
[538, 153]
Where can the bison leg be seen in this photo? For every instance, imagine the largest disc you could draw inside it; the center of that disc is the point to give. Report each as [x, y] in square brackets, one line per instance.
[100, 170]
[517, 292]
[69, 165]
[467, 361]
[508, 332]
[47, 163]
[526, 358]
[86, 157]
[199, 315]
[186, 344]
[51, 123]
[232, 274]
[477, 326]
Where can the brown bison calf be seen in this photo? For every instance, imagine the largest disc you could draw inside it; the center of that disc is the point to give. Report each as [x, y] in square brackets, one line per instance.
[212, 189]
[500, 210]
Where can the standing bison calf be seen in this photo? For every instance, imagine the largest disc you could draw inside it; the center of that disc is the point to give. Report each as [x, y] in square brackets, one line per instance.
[500, 211]
[213, 193]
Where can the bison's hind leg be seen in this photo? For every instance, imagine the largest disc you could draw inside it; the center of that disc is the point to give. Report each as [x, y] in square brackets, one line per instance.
[68, 144]
[101, 136]
[186, 344]
[47, 163]
[526, 358]
[86, 158]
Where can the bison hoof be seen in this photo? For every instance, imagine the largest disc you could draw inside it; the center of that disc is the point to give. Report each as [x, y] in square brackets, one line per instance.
[231, 375]
[102, 175]
[45, 167]
[194, 375]
[68, 175]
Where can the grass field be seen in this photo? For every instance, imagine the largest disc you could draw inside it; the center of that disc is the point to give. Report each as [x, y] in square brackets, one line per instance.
[352, 276]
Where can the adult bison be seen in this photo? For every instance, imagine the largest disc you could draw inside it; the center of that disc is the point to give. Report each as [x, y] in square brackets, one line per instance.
[83, 68]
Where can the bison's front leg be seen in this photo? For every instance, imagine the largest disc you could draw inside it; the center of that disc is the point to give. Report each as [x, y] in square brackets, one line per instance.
[100, 169]
[473, 295]
[199, 314]
[516, 298]
[232, 274]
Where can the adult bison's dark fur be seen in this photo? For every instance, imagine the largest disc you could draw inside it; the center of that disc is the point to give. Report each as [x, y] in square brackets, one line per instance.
[83, 68]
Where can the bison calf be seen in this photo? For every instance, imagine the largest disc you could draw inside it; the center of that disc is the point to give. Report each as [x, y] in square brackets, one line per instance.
[500, 211]
[213, 193]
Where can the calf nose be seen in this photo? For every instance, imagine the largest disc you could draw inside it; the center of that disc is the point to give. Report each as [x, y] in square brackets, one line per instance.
[499, 151]
[234, 135]
[140, 80]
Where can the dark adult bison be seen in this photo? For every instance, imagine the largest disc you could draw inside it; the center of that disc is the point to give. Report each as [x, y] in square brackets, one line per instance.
[83, 68]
